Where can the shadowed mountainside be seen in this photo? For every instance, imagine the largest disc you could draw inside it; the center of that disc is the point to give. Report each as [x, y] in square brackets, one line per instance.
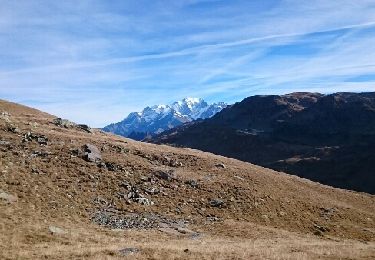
[325, 138]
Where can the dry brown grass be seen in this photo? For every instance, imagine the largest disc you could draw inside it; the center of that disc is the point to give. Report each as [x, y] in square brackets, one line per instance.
[94, 243]
[267, 215]
[90, 242]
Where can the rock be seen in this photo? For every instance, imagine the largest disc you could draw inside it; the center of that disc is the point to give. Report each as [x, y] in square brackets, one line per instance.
[63, 123]
[5, 116]
[4, 143]
[186, 250]
[115, 220]
[111, 166]
[75, 152]
[168, 176]
[327, 213]
[152, 190]
[217, 203]
[85, 128]
[321, 228]
[192, 183]
[8, 198]
[318, 233]
[56, 230]
[220, 165]
[40, 139]
[43, 154]
[128, 251]
[136, 196]
[144, 201]
[91, 153]
[172, 162]
[213, 218]
[185, 231]
[33, 124]
[14, 129]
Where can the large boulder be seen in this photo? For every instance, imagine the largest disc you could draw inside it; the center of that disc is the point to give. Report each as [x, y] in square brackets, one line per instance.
[91, 153]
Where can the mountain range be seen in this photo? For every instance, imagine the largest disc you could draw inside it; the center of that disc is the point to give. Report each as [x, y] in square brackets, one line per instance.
[325, 138]
[156, 119]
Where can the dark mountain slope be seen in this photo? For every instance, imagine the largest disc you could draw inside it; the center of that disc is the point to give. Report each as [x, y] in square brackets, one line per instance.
[326, 138]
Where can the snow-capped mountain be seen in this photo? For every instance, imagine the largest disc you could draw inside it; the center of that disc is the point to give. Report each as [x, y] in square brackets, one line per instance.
[156, 119]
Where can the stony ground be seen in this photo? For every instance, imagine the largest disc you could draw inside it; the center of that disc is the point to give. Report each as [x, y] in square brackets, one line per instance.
[68, 191]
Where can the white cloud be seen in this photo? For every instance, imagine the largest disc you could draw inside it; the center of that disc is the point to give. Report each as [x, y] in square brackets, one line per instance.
[119, 56]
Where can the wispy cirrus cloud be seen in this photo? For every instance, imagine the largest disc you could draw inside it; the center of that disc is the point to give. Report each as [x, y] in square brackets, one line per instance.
[72, 58]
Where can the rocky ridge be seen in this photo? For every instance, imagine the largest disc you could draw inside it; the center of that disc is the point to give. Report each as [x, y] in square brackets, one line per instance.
[156, 119]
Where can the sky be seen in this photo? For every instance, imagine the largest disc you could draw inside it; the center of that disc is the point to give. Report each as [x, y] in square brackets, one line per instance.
[94, 62]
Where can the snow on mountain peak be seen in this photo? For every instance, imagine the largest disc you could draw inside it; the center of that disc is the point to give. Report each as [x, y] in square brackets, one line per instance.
[159, 118]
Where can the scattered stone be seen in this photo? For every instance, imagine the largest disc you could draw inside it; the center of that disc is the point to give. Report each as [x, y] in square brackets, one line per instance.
[100, 201]
[34, 170]
[168, 176]
[91, 153]
[75, 152]
[144, 201]
[56, 230]
[192, 183]
[152, 190]
[33, 124]
[126, 185]
[14, 129]
[63, 123]
[4, 143]
[185, 231]
[213, 218]
[321, 228]
[128, 251]
[85, 128]
[136, 196]
[327, 213]
[115, 220]
[239, 177]
[40, 139]
[120, 149]
[171, 162]
[110, 166]
[186, 250]
[196, 236]
[220, 165]
[217, 203]
[5, 116]
[43, 154]
[8, 198]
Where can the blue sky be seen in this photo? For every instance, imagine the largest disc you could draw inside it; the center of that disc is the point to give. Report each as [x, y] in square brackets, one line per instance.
[95, 61]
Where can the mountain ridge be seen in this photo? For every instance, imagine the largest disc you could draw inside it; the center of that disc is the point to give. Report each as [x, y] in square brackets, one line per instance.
[158, 118]
[325, 138]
